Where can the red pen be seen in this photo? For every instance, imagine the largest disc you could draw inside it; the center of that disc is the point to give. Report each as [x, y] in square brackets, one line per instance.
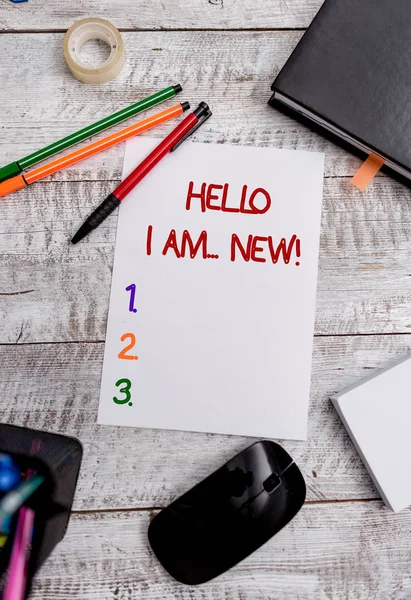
[192, 122]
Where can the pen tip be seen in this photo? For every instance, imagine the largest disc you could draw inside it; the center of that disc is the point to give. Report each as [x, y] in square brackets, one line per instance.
[84, 230]
[185, 105]
[177, 88]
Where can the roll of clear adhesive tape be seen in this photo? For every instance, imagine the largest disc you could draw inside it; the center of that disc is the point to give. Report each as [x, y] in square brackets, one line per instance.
[93, 29]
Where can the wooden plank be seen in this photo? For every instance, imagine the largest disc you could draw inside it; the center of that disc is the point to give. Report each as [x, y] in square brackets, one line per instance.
[351, 550]
[364, 279]
[233, 73]
[173, 14]
[56, 387]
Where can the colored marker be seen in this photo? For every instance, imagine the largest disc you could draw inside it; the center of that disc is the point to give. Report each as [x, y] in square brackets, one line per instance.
[18, 496]
[23, 180]
[192, 122]
[16, 167]
[9, 473]
[16, 580]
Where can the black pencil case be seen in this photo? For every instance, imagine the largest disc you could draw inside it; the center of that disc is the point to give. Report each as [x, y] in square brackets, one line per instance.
[57, 458]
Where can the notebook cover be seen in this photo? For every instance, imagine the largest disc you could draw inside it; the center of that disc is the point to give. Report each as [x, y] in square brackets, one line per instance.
[352, 68]
[377, 414]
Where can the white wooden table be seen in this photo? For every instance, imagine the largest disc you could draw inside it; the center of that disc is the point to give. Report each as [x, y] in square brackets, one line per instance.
[54, 299]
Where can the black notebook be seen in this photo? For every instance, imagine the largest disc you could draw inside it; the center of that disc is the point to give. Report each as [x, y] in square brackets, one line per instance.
[351, 75]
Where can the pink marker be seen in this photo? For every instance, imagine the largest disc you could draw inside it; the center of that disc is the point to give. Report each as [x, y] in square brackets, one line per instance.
[17, 572]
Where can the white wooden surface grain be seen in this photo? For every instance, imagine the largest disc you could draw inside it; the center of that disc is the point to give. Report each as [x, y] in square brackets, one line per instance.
[161, 14]
[233, 70]
[107, 556]
[54, 301]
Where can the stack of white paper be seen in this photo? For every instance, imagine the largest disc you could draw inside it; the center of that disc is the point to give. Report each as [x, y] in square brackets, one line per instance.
[377, 415]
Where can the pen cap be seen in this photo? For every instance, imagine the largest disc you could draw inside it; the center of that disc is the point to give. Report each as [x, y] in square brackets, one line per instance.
[10, 170]
[12, 185]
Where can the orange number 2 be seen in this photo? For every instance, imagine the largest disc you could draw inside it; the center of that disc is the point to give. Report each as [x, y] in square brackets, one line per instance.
[123, 353]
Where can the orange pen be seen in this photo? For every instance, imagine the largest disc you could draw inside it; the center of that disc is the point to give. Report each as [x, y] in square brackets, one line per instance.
[25, 179]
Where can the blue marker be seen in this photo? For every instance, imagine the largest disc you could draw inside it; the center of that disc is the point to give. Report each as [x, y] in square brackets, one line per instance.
[9, 473]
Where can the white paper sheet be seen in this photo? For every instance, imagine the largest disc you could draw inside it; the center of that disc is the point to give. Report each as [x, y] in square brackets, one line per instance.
[377, 415]
[223, 345]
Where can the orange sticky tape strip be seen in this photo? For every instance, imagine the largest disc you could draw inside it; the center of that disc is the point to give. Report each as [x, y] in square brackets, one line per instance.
[367, 171]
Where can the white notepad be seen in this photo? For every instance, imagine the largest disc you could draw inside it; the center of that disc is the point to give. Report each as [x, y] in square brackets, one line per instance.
[212, 303]
[377, 415]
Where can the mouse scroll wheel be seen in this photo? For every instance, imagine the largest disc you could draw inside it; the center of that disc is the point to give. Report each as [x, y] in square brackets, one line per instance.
[272, 483]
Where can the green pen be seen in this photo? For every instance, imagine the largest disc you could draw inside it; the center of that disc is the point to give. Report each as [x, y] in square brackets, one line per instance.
[16, 167]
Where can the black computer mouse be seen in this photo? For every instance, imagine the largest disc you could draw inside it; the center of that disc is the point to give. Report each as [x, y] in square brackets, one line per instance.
[228, 515]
